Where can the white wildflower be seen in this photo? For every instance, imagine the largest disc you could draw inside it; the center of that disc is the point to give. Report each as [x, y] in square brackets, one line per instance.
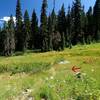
[92, 70]
[51, 77]
[90, 93]
[64, 81]
[86, 91]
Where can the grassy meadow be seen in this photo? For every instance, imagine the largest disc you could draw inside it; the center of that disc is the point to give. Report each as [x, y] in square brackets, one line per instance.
[42, 76]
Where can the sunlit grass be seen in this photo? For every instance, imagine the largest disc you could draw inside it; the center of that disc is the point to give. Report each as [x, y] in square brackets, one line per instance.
[46, 78]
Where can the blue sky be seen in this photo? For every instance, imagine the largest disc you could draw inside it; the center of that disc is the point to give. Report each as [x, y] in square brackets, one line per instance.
[8, 7]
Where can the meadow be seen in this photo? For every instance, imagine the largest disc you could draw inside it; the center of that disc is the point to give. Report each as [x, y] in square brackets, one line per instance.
[49, 76]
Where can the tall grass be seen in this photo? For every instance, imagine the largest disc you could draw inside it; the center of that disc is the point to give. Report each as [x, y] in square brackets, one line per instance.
[27, 67]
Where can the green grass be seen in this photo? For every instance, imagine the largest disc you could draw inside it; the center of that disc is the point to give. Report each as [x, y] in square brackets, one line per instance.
[46, 78]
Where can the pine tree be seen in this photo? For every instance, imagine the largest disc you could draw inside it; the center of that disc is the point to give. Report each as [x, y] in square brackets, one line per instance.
[62, 26]
[50, 32]
[11, 35]
[35, 36]
[96, 17]
[53, 20]
[69, 28]
[43, 27]
[72, 26]
[19, 28]
[77, 36]
[89, 26]
[26, 30]
[83, 21]
[51, 28]
[5, 40]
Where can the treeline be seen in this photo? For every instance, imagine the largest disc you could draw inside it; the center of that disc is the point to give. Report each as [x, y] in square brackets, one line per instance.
[55, 31]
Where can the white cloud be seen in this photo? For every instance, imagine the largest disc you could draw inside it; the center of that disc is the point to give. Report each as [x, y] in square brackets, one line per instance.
[6, 18]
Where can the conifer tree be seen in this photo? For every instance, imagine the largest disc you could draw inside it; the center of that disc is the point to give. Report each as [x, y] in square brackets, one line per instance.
[5, 40]
[11, 31]
[51, 28]
[35, 36]
[83, 21]
[72, 26]
[77, 22]
[96, 17]
[69, 28]
[50, 32]
[19, 28]
[62, 26]
[53, 20]
[26, 30]
[43, 27]
[89, 35]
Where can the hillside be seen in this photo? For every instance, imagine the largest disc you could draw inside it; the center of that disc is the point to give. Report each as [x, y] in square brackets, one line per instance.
[49, 76]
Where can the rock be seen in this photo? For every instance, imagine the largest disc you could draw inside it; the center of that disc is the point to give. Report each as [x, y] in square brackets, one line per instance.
[64, 62]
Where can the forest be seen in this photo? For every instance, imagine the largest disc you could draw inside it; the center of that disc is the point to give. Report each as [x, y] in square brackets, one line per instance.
[55, 31]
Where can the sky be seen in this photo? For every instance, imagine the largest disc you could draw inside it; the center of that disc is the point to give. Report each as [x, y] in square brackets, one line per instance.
[8, 7]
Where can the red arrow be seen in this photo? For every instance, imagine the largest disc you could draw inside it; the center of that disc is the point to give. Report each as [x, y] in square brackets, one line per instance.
[75, 69]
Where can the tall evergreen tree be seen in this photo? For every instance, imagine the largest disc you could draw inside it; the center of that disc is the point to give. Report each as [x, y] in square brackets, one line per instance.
[96, 17]
[51, 28]
[43, 27]
[5, 40]
[62, 26]
[35, 36]
[53, 20]
[50, 31]
[19, 28]
[77, 36]
[11, 31]
[69, 28]
[72, 26]
[83, 21]
[26, 30]
[89, 33]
